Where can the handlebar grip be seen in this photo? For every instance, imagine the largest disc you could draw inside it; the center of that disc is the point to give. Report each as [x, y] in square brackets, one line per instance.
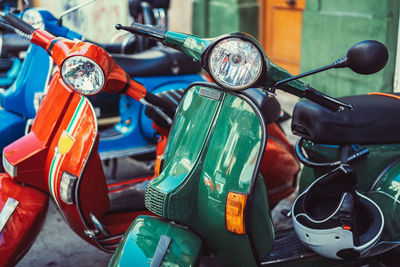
[14, 43]
[144, 30]
[19, 23]
[325, 100]
[5, 27]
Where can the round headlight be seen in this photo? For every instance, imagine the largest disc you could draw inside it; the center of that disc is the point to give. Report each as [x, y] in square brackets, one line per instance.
[33, 17]
[82, 75]
[235, 63]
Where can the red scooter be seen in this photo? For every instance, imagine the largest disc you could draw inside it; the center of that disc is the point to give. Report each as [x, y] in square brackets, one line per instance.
[59, 156]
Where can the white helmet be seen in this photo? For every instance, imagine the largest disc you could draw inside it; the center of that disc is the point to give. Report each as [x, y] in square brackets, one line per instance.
[334, 220]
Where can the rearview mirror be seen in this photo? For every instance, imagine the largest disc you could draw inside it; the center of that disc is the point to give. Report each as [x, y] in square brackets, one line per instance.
[365, 57]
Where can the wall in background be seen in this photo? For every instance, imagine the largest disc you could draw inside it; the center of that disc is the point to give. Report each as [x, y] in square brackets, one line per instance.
[96, 21]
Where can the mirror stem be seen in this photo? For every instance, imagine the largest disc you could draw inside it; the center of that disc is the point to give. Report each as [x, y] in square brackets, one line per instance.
[301, 76]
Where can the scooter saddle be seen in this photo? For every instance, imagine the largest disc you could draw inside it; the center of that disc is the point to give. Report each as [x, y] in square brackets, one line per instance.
[269, 106]
[157, 62]
[374, 120]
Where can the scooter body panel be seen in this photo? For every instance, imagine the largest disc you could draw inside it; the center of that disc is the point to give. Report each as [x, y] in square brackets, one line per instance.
[12, 126]
[367, 168]
[51, 25]
[73, 168]
[61, 141]
[25, 221]
[192, 172]
[11, 74]
[30, 83]
[140, 244]
[386, 193]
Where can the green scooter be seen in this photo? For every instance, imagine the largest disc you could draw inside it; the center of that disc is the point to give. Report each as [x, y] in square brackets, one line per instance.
[209, 195]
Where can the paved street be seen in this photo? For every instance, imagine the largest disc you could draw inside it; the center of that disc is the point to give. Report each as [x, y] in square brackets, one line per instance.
[58, 245]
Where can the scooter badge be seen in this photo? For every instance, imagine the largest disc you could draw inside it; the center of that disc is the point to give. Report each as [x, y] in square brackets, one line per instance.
[65, 142]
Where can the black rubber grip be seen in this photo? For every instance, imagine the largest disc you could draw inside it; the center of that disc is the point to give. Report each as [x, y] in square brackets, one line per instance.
[5, 27]
[14, 43]
[325, 100]
[19, 23]
[166, 106]
[144, 30]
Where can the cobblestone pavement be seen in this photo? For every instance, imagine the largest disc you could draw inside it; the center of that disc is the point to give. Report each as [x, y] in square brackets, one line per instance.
[58, 245]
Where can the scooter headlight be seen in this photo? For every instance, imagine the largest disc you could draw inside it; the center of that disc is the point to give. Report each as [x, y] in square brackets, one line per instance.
[33, 17]
[235, 63]
[82, 75]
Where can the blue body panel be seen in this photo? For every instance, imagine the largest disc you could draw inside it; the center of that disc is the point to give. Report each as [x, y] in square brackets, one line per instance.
[133, 135]
[19, 98]
[135, 128]
[51, 25]
[12, 127]
[11, 74]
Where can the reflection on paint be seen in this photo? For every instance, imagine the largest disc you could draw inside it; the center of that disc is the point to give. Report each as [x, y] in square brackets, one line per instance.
[395, 186]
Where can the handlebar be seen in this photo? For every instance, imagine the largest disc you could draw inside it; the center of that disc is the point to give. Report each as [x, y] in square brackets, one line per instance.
[13, 43]
[325, 100]
[144, 30]
[19, 24]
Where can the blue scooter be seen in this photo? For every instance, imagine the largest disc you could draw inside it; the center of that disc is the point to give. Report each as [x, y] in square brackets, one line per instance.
[159, 69]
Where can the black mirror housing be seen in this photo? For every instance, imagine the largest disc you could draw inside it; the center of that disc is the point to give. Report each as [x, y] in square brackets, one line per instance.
[366, 57]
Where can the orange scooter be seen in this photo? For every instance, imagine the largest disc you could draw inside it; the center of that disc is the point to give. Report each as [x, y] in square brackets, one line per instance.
[59, 156]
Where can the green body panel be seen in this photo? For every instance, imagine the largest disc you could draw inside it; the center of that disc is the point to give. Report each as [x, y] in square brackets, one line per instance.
[331, 27]
[216, 17]
[368, 168]
[189, 44]
[191, 125]
[195, 185]
[139, 244]
[229, 166]
[386, 193]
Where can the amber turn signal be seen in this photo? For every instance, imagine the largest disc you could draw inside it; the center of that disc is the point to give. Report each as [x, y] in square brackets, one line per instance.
[234, 212]
[157, 165]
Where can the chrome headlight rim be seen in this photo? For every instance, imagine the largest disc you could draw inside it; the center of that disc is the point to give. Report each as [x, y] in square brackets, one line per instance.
[35, 14]
[257, 82]
[69, 83]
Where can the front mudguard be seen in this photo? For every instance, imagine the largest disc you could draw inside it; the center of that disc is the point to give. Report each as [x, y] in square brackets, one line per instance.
[149, 239]
[24, 224]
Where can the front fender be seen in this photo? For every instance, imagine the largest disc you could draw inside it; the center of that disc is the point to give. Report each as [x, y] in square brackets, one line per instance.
[148, 238]
[22, 227]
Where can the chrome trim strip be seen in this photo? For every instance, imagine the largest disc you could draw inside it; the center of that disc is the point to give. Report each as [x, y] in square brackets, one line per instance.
[106, 239]
[297, 257]
[127, 152]
[161, 250]
[7, 211]
[209, 94]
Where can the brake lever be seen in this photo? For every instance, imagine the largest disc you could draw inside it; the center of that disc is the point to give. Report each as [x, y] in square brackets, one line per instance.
[325, 100]
[144, 30]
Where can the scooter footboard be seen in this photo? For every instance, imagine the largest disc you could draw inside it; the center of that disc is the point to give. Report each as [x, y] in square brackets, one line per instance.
[152, 241]
[22, 212]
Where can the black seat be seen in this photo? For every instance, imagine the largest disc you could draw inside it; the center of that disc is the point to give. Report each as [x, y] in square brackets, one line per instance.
[6, 64]
[374, 120]
[157, 62]
[269, 106]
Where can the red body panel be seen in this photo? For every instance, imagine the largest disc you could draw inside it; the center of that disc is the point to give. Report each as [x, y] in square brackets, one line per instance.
[40, 161]
[24, 224]
[279, 166]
